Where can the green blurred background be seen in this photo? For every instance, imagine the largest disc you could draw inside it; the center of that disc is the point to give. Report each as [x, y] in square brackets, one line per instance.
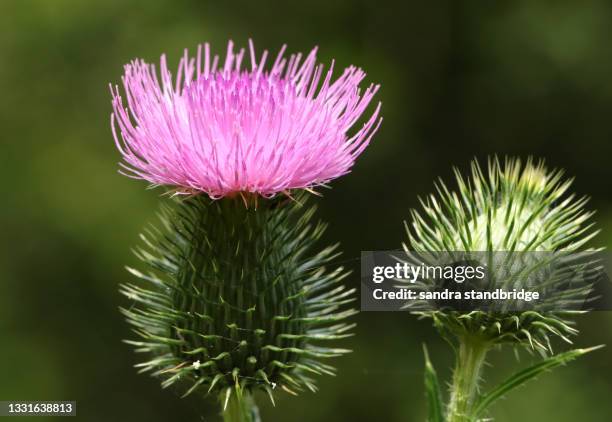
[459, 79]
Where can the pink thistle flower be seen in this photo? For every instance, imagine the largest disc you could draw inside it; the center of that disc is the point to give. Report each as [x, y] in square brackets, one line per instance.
[221, 129]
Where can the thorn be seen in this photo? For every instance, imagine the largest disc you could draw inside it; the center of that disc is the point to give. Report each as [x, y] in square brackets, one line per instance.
[179, 366]
[312, 191]
[228, 393]
[592, 349]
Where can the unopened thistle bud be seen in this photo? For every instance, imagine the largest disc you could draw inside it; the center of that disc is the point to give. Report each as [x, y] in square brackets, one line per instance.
[509, 214]
[511, 209]
[234, 296]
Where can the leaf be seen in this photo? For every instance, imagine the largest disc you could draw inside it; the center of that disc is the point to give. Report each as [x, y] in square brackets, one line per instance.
[432, 391]
[527, 374]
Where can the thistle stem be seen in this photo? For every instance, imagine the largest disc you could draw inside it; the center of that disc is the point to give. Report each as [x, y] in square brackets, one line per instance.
[240, 407]
[469, 361]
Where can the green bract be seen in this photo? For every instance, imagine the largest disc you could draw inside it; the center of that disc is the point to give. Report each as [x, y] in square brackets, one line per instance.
[515, 208]
[522, 222]
[235, 300]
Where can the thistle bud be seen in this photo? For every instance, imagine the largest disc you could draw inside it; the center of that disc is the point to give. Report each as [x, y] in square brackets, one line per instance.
[509, 209]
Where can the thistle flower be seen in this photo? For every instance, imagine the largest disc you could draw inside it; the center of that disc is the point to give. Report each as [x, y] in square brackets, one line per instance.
[515, 209]
[219, 128]
[236, 299]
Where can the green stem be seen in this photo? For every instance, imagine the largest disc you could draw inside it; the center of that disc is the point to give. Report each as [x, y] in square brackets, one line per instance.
[240, 407]
[470, 359]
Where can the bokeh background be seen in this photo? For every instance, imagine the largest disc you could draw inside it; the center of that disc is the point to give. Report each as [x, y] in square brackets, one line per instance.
[459, 80]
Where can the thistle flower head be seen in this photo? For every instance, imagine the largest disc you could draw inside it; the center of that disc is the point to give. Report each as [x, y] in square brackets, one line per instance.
[514, 209]
[221, 127]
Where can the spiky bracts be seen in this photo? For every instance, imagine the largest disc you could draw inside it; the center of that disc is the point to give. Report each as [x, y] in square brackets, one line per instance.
[517, 212]
[516, 209]
[235, 299]
[511, 207]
